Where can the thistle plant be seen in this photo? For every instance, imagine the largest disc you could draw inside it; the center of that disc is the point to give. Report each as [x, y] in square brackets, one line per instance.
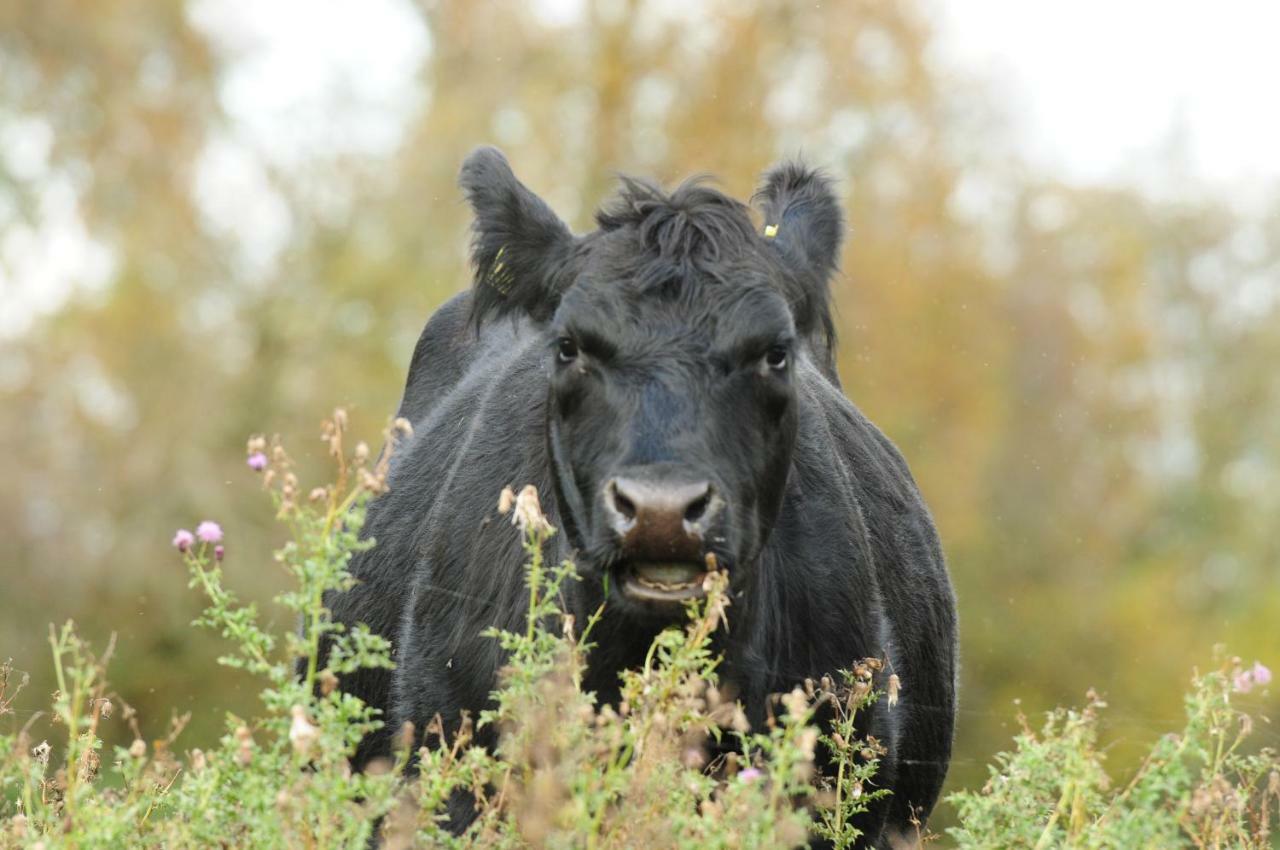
[1206, 786]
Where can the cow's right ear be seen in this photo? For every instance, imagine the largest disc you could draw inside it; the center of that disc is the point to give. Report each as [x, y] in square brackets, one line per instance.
[521, 250]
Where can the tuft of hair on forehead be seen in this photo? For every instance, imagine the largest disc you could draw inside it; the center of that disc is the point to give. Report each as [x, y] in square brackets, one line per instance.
[697, 228]
[694, 228]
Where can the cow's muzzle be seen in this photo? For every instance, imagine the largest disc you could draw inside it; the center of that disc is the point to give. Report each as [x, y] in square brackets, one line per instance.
[660, 527]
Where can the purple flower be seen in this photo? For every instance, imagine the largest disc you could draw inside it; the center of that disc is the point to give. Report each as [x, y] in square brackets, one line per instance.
[218, 552]
[751, 774]
[257, 461]
[1261, 674]
[209, 532]
[1242, 682]
[183, 539]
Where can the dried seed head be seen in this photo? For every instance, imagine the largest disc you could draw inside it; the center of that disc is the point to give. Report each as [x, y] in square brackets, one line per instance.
[257, 444]
[375, 482]
[404, 426]
[302, 733]
[18, 825]
[693, 758]
[528, 514]
[328, 682]
[244, 752]
[362, 453]
[41, 753]
[796, 702]
[198, 761]
[138, 748]
[90, 761]
[105, 708]
[317, 495]
[807, 740]
[895, 684]
[506, 500]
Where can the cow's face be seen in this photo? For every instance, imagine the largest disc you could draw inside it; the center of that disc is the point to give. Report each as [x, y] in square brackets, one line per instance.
[671, 422]
[671, 337]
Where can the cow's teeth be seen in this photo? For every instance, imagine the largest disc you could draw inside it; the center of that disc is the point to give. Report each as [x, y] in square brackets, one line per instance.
[665, 573]
[662, 585]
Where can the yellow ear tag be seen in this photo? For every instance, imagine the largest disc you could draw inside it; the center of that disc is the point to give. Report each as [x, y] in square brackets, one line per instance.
[770, 231]
[500, 277]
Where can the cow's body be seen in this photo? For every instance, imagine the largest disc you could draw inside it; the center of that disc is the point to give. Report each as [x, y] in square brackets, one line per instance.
[851, 567]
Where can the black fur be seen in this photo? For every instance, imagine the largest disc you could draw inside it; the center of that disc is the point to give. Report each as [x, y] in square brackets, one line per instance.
[680, 310]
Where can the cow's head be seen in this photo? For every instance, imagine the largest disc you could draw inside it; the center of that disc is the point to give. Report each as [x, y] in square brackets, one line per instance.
[672, 338]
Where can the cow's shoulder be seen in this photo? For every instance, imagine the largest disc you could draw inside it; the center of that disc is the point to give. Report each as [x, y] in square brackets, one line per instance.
[444, 350]
[453, 350]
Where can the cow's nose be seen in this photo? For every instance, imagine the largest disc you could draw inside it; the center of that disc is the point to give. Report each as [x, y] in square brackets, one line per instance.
[660, 519]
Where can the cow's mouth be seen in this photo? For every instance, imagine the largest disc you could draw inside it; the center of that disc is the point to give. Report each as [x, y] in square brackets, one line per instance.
[660, 581]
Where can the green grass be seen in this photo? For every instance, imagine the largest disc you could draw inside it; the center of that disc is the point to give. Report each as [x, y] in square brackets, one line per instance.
[566, 772]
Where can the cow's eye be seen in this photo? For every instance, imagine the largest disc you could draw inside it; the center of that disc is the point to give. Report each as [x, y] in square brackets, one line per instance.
[567, 350]
[776, 358]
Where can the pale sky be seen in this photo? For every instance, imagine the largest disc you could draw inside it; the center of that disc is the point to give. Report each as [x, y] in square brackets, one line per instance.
[1093, 89]
[1099, 84]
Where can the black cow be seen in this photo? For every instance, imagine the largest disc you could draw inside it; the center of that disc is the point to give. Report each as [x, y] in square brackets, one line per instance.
[667, 383]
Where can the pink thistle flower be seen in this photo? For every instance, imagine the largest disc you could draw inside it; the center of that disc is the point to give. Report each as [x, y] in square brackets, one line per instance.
[183, 539]
[257, 461]
[219, 552]
[1261, 674]
[751, 774]
[1242, 682]
[209, 532]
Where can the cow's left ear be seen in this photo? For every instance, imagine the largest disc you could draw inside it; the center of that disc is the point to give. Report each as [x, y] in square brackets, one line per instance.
[521, 250]
[802, 219]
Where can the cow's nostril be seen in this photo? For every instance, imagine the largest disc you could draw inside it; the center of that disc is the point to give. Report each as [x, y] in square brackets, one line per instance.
[620, 502]
[624, 505]
[698, 507]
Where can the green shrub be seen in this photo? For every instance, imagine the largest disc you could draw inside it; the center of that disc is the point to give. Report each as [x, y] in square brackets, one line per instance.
[1200, 787]
[567, 773]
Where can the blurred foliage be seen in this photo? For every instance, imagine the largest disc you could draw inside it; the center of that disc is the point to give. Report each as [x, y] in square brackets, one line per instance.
[1080, 376]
